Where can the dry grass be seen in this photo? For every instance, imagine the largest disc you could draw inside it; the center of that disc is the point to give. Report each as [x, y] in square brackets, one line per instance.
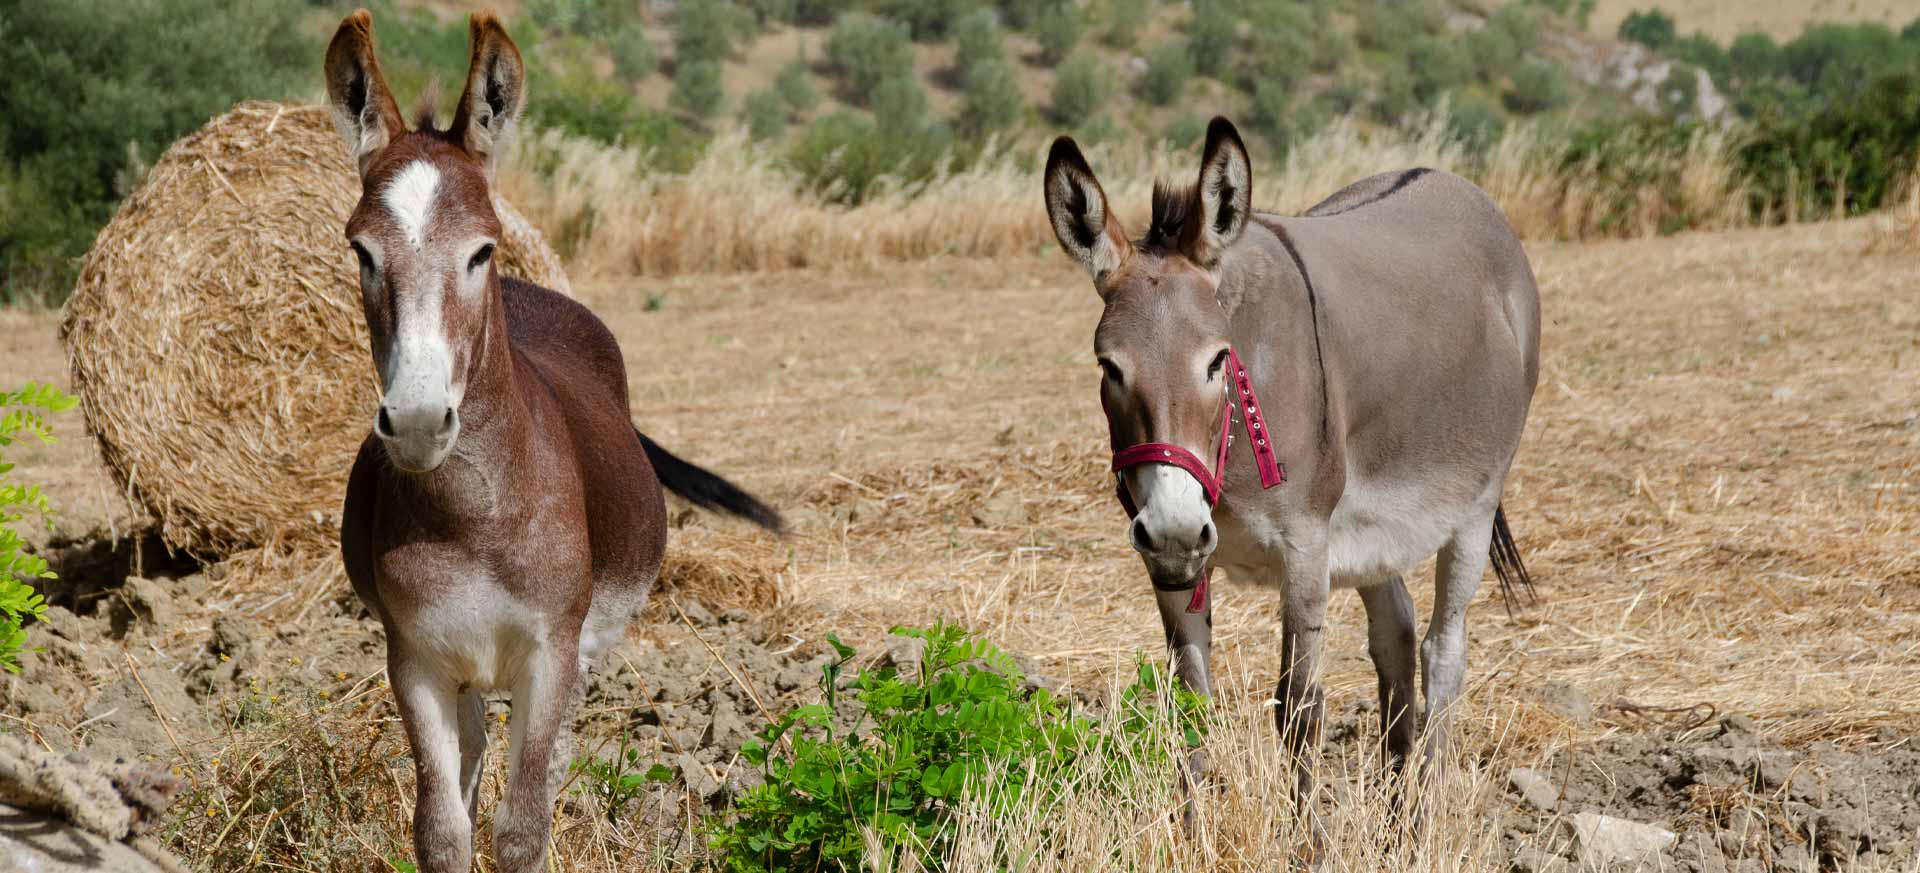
[740, 209]
[216, 336]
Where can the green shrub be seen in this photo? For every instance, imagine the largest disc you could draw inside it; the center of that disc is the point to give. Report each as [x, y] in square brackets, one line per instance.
[976, 40]
[1651, 28]
[1282, 49]
[991, 100]
[1183, 131]
[1124, 18]
[795, 86]
[845, 156]
[1438, 65]
[574, 100]
[1474, 120]
[1213, 35]
[885, 762]
[1169, 66]
[765, 114]
[1391, 25]
[1079, 90]
[1854, 149]
[774, 11]
[867, 50]
[926, 19]
[1057, 29]
[633, 55]
[704, 30]
[900, 106]
[578, 17]
[25, 416]
[1538, 86]
[1679, 93]
[1497, 47]
[1754, 56]
[698, 90]
[85, 78]
[1394, 96]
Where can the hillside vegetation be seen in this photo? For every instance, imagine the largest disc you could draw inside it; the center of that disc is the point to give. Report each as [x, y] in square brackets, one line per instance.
[836, 117]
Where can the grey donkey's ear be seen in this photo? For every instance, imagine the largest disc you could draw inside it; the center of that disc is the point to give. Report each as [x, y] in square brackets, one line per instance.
[495, 95]
[363, 108]
[1224, 196]
[1077, 208]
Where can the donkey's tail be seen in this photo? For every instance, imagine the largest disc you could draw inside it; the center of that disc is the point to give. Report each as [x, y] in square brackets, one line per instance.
[706, 490]
[1513, 576]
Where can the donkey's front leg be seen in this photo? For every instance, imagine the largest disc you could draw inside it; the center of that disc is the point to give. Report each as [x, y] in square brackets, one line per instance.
[442, 827]
[1189, 638]
[542, 699]
[1302, 702]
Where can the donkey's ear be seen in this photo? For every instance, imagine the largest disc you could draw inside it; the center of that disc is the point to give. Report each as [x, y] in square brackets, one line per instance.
[362, 106]
[496, 92]
[1077, 208]
[1224, 196]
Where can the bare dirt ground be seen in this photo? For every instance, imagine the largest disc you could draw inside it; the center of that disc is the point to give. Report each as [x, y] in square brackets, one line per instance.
[1719, 493]
[1782, 19]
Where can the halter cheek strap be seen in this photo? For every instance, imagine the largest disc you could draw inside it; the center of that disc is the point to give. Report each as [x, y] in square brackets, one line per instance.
[1211, 480]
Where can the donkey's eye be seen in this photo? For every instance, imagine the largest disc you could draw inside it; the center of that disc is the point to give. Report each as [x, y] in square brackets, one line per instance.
[1219, 361]
[1112, 372]
[366, 257]
[481, 257]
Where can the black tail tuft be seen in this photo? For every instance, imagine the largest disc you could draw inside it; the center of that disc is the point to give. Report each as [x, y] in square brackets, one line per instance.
[1507, 567]
[706, 490]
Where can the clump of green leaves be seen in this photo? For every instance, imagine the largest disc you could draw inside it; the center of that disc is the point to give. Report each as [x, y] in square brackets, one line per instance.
[884, 763]
[614, 782]
[25, 416]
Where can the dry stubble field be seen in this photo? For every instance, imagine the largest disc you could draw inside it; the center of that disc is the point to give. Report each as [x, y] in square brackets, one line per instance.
[1719, 493]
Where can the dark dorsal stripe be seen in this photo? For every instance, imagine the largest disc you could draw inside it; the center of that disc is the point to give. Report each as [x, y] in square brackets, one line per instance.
[1338, 203]
[1313, 310]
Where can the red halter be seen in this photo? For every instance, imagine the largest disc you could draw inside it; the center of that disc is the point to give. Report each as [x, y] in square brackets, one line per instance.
[1211, 480]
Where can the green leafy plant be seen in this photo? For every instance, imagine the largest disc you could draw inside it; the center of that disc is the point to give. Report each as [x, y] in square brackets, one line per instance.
[1079, 90]
[617, 781]
[25, 416]
[1057, 29]
[885, 761]
[868, 50]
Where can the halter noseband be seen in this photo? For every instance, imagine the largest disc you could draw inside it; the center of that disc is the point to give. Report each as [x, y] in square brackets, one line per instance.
[1211, 480]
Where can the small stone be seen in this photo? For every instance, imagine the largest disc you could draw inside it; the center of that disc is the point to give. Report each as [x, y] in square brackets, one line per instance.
[1738, 723]
[1604, 839]
[700, 783]
[1568, 702]
[1534, 787]
[697, 612]
[143, 603]
[1842, 833]
[1699, 852]
[1537, 860]
[904, 654]
[1004, 509]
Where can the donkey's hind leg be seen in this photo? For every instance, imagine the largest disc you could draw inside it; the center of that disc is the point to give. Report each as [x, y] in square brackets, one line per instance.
[473, 751]
[542, 699]
[429, 708]
[1390, 642]
[1443, 654]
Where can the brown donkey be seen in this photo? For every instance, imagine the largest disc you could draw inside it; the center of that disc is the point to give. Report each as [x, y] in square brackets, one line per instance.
[1393, 333]
[505, 517]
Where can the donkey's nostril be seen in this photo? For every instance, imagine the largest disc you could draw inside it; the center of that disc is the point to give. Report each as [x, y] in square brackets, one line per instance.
[1206, 537]
[446, 422]
[1142, 540]
[382, 425]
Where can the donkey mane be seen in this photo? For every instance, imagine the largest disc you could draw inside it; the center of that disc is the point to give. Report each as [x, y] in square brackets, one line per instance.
[426, 109]
[1172, 206]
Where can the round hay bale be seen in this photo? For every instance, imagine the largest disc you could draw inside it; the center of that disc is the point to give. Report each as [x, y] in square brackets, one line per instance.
[216, 337]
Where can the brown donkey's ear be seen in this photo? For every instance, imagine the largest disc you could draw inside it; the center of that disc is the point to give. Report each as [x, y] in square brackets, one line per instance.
[1224, 196]
[496, 92]
[363, 108]
[1077, 207]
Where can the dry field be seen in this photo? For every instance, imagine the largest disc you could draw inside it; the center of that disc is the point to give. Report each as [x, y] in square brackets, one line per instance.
[1783, 19]
[1719, 493]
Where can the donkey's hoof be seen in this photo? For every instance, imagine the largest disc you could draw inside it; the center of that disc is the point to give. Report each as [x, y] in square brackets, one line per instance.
[520, 851]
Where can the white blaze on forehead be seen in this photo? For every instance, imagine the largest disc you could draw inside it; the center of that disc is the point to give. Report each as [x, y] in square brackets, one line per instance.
[410, 198]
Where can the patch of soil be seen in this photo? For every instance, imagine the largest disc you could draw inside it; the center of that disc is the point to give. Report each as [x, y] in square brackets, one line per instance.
[1737, 800]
